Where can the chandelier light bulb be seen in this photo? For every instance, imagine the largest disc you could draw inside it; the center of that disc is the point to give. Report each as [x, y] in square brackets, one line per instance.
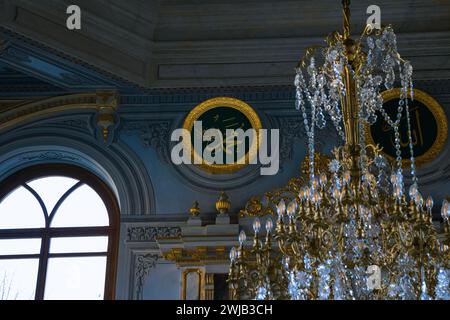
[314, 183]
[337, 195]
[256, 225]
[308, 194]
[290, 211]
[445, 210]
[269, 225]
[233, 254]
[292, 207]
[281, 208]
[323, 180]
[398, 192]
[242, 237]
[394, 179]
[346, 178]
[413, 191]
[429, 203]
[294, 204]
[418, 199]
[317, 198]
[301, 194]
[285, 261]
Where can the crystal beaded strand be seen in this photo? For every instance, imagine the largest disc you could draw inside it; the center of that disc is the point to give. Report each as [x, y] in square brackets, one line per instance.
[311, 144]
[300, 84]
[313, 74]
[406, 82]
[362, 140]
[395, 126]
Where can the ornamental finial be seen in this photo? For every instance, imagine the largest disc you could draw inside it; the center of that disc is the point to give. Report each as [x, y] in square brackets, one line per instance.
[223, 204]
[195, 210]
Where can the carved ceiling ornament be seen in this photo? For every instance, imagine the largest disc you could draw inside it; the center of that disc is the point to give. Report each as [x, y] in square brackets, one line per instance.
[152, 134]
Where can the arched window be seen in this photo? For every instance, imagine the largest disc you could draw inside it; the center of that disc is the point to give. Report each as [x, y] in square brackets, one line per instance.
[58, 235]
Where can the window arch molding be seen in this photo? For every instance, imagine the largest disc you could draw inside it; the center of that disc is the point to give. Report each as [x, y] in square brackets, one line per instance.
[117, 164]
[14, 181]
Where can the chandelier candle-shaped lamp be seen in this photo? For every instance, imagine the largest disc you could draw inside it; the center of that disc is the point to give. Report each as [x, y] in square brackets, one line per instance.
[354, 217]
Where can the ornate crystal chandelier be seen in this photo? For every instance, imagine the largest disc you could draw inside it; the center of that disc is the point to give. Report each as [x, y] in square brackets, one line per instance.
[352, 231]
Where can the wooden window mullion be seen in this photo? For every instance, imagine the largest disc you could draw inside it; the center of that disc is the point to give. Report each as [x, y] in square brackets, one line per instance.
[42, 270]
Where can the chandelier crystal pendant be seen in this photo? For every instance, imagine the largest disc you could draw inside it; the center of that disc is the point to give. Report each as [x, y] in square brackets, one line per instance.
[353, 231]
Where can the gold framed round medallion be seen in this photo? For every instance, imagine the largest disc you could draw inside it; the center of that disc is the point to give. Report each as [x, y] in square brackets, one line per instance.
[429, 127]
[224, 113]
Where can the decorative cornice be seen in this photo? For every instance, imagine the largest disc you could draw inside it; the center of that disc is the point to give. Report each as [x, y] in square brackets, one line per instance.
[143, 263]
[29, 89]
[150, 233]
[195, 95]
[11, 36]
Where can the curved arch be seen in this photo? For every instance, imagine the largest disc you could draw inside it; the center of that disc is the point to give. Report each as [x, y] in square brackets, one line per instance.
[72, 171]
[17, 179]
[116, 165]
[55, 105]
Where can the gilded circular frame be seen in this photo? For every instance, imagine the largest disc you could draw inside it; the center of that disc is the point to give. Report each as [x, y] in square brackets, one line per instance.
[441, 123]
[239, 105]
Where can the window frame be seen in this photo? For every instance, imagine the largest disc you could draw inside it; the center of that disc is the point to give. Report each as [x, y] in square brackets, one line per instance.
[21, 177]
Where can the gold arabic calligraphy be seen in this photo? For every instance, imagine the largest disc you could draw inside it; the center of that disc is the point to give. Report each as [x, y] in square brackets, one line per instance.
[230, 122]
